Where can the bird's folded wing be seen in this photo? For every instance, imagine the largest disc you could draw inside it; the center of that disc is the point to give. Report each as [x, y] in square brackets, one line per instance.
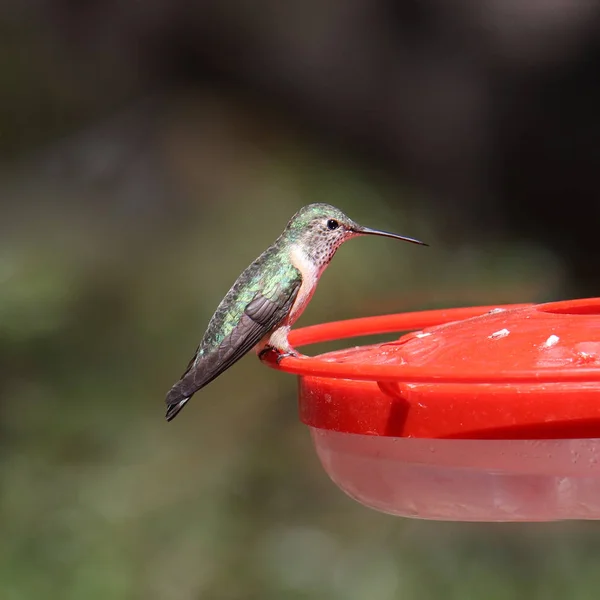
[260, 316]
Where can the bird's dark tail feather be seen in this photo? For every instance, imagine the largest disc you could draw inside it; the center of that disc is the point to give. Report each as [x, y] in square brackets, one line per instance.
[175, 402]
[173, 409]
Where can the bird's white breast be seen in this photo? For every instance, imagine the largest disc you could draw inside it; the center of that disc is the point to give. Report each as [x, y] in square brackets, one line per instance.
[310, 276]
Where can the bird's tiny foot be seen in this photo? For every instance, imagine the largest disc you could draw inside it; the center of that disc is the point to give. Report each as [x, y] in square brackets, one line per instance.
[282, 355]
[279, 354]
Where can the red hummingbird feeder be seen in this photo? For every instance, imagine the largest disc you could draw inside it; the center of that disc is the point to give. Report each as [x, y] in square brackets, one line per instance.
[479, 414]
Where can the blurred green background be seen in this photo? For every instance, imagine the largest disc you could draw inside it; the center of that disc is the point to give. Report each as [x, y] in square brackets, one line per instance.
[148, 153]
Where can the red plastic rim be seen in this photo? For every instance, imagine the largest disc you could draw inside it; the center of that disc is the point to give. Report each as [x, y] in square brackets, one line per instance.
[337, 330]
[514, 371]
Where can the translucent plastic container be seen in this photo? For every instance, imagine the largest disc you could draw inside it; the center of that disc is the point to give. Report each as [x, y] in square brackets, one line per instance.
[479, 414]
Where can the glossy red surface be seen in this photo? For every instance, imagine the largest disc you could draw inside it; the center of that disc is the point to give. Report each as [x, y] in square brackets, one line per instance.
[513, 372]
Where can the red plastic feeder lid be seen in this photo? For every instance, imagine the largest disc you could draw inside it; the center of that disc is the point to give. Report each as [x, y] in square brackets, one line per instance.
[511, 372]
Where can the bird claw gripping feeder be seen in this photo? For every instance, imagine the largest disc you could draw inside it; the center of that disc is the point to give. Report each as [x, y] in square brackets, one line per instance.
[479, 414]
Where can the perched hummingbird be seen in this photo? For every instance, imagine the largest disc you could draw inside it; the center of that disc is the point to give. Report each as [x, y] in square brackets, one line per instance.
[269, 296]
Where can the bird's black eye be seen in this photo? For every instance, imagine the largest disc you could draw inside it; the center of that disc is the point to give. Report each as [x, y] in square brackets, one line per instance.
[332, 224]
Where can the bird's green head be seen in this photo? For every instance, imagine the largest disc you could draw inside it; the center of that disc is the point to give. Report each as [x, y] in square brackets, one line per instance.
[320, 229]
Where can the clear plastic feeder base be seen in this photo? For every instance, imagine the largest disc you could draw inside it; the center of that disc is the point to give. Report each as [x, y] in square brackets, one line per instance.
[465, 480]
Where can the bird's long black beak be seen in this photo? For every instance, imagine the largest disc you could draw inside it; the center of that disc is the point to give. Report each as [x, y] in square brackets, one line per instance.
[369, 231]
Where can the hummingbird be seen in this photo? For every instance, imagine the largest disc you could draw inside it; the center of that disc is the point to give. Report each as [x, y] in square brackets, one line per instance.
[268, 297]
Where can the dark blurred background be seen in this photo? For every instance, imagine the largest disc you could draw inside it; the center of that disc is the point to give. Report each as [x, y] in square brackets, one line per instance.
[149, 150]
